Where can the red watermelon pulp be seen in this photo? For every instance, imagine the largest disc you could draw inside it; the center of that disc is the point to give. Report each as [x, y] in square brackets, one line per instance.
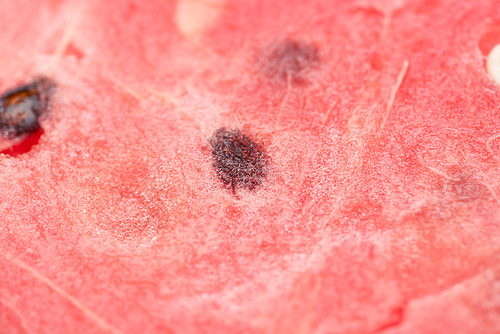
[378, 210]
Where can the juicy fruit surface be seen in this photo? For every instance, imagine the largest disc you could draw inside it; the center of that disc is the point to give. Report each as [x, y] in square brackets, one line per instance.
[379, 212]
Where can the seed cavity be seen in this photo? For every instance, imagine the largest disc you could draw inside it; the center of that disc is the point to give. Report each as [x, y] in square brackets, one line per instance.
[464, 185]
[22, 107]
[291, 60]
[239, 162]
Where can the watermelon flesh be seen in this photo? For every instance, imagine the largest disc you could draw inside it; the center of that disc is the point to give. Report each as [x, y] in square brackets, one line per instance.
[380, 210]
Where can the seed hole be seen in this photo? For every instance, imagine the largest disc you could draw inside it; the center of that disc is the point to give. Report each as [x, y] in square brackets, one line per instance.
[72, 50]
[290, 60]
[25, 145]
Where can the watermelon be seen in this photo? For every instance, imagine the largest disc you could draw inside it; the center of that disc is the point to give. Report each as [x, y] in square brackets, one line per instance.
[300, 166]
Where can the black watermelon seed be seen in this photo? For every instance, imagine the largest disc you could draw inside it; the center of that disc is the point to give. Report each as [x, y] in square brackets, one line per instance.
[21, 108]
[240, 163]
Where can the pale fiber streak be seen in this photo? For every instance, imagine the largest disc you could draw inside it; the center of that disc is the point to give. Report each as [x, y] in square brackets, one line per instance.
[99, 321]
[69, 32]
[11, 306]
[394, 91]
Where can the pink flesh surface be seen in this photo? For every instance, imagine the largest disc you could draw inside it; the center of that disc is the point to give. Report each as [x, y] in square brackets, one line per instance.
[380, 212]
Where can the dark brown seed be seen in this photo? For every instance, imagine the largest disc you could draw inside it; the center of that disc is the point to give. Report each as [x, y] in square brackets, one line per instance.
[239, 161]
[21, 108]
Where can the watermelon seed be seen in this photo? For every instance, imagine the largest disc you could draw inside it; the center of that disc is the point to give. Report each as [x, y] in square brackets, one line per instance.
[20, 112]
[493, 64]
[194, 17]
[238, 160]
[21, 108]
[291, 61]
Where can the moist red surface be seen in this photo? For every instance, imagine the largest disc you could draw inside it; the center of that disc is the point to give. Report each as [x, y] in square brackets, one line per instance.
[380, 211]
